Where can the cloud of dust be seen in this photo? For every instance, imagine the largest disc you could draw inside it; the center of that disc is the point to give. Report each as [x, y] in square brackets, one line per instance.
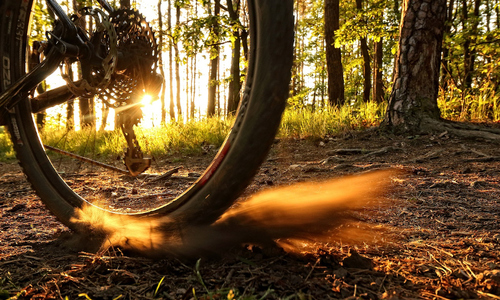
[306, 211]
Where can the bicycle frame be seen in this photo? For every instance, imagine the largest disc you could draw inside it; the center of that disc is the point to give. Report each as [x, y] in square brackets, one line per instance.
[65, 42]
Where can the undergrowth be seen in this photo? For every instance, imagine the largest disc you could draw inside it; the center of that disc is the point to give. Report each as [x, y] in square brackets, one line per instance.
[301, 123]
[480, 104]
[190, 138]
[175, 138]
[6, 151]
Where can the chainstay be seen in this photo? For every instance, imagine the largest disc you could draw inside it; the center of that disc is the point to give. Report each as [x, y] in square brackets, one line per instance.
[87, 160]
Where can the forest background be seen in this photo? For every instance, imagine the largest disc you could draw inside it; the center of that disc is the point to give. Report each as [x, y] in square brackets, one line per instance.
[203, 48]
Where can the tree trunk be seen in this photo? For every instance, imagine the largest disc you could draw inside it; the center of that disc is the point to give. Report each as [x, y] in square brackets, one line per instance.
[105, 114]
[170, 62]
[473, 37]
[367, 72]
[193, 86]
[86, 112]
[467, 79]
[214, 63]
[177, 63]
[161, 64]
[416, 82]
[333, 55]
[378, 80]
[235, 83]
[446, 51]
[470, 39]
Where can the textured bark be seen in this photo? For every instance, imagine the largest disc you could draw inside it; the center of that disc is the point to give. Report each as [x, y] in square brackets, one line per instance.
[417, 67]
[333, 54]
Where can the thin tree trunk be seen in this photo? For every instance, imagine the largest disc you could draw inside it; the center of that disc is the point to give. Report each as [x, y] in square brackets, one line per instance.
[193, 86]
[333, 55]
[70, 108]
[378, 80]
[367, 72]
[188, 94]
[446, 51]
[467, 53]
[170, 62]
[105, 114]
[161, 64]
[177, 63]
[214, 64]
[473, 37]
[235, 83]
[497, 13]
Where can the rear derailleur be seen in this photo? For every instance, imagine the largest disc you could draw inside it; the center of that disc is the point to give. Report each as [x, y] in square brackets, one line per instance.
[121, 69]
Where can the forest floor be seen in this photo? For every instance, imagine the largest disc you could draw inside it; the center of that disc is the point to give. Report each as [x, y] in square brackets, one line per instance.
[443, 217]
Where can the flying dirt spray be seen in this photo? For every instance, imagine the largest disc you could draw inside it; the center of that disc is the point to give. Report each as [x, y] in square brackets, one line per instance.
[306, 211]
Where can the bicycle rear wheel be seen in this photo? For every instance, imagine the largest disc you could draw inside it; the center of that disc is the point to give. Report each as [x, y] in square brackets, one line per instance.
[234, 165]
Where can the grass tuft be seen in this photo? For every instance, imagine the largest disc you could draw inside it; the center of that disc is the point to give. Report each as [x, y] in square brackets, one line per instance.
[6, 151]
[477, 105]
[303, 123]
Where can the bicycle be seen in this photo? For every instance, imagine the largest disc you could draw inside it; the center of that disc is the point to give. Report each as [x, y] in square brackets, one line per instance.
[107, 73]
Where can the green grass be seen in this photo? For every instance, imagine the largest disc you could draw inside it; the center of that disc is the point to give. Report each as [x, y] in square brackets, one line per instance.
[477, 105]
[175, 138]
[303, 123]
[189, 138]
[6, 151]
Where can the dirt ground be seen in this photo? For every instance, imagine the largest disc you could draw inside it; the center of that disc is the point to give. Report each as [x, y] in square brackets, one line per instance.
[443, 220]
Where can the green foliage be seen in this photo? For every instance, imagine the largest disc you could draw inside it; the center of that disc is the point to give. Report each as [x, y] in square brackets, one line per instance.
[6, 151]
[469, 89]
[195, 32]
[377, 20]
[481, 106]
[41, 21]
[373, 22]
